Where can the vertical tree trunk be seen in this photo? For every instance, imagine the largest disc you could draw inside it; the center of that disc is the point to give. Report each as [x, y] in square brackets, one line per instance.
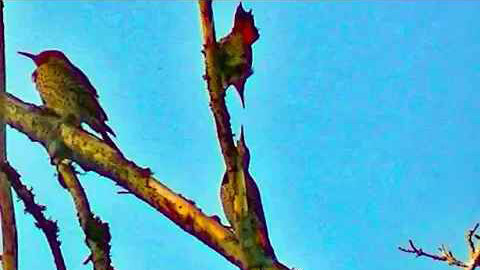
[9, 231]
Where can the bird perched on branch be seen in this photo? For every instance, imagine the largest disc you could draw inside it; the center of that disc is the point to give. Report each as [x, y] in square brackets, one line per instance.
[67, 92]
[235, 52]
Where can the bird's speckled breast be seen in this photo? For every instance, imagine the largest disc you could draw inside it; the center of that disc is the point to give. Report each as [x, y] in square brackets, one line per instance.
[60, 91]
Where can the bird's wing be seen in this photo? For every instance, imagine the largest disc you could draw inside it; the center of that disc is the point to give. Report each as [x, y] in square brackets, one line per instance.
[94, 105]
[83, 79]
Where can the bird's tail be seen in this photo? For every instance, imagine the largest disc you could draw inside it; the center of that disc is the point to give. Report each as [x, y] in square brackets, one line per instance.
[104, 130]
[106, 138]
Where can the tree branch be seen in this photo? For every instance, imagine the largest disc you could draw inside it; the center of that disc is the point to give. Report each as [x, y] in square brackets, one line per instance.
[49, 227]
[97, 233]
[239, 193]
[93, 154]
[474, 253]
[447, 255]
[215, 87]
[468, 238]
[7, 213]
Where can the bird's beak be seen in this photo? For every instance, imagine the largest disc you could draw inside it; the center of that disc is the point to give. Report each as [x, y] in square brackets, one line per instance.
[29, 55]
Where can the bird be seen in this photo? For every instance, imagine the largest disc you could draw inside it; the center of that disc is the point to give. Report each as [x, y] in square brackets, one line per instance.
[66, 91]
[235, 54]
[242, 204]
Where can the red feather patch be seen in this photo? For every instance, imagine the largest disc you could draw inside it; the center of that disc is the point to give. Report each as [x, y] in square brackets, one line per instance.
[245, 25]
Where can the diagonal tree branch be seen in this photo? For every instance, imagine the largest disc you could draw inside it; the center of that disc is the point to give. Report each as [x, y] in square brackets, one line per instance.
[66, 142]
[97, 233]
[7, 214]
[49, 227]
[93, 154]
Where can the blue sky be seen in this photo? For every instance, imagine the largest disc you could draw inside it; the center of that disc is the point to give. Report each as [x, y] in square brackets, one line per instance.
[361, 117]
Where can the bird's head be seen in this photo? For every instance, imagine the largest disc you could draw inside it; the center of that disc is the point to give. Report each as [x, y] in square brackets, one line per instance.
[46, 56]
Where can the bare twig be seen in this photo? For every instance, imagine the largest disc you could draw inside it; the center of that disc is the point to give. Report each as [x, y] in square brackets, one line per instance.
[419, 252]
[49, 227]
[447, 256]
[97, 234]
[474, 253]
[468, 236]
[7, 213]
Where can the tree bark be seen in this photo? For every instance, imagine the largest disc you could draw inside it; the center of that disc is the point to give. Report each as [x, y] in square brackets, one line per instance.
[9, 230]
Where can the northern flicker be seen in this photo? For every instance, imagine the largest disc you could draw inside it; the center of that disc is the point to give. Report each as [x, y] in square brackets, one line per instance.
[67, 92]
[235, 52]
[242, 205]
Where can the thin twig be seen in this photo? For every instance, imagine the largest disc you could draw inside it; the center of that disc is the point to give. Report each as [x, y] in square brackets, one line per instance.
[48, 227]
[419, 252]
[468, 236]
[447, 256]
[450, 258]
[474, 253]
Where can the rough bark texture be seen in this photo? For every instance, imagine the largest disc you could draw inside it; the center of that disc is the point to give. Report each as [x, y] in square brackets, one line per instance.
[93, 154]
[9, 230]
[48, 226]
[97, 233]
[239, 207]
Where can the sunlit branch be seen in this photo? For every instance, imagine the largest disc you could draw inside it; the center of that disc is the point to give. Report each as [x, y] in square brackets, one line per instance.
[93, 154]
